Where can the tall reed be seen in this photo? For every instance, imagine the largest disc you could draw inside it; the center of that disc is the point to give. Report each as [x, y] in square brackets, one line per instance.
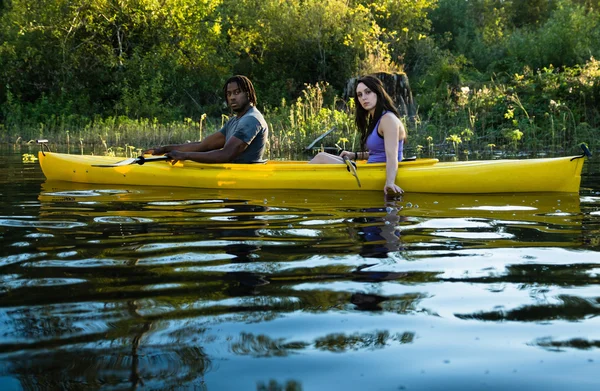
[508, 117]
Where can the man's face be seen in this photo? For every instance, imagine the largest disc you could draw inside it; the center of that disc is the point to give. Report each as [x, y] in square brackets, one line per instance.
[236, 98]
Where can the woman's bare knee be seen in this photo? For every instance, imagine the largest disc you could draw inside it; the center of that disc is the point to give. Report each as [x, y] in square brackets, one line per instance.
[323, 158]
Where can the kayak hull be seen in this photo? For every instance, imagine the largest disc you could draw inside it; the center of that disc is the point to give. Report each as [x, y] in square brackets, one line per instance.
[420, 176]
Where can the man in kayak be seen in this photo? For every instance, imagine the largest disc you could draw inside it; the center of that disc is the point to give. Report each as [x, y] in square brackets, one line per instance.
[241, 140]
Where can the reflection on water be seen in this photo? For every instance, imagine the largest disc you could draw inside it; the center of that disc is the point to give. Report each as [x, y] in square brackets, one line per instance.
[108, 287]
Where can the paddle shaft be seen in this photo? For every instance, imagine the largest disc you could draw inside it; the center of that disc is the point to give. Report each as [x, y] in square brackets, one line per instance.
[141, 159]
[137, 160]
[352, 169]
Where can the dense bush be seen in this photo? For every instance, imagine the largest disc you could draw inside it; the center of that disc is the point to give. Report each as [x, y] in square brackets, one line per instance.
[483, 71]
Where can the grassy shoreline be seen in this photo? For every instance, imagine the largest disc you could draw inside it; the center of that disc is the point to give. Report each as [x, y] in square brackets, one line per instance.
[538, 113]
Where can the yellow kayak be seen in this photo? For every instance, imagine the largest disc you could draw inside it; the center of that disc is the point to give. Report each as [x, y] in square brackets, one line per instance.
[419, 176]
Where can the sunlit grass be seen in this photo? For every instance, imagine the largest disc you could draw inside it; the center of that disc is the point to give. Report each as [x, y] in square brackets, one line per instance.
[486, 121]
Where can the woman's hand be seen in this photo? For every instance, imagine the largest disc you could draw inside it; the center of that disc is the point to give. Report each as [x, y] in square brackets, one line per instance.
[392, 187]
[349, 155]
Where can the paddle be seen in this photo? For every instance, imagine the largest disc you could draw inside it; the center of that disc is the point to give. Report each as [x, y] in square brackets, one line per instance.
[136, 160]
[586, 151]
[352, 169]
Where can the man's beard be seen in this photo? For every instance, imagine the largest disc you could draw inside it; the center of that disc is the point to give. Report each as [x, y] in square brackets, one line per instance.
[240, 108]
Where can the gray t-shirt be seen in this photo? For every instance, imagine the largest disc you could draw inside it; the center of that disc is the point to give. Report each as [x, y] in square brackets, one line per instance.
[251, 129]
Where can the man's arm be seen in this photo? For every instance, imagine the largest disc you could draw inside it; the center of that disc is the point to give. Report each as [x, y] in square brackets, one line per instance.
[213, 142]
[232, 149]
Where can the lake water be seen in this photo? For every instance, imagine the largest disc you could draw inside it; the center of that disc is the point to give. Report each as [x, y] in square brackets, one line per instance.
[108, 287]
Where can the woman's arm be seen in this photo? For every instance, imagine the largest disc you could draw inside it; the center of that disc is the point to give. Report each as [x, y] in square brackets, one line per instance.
[393, 131]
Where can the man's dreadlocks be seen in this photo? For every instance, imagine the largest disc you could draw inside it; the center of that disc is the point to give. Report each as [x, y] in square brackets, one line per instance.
[244, 84]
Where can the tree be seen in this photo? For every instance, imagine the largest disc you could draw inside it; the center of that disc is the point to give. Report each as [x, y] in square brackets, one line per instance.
[284, 45]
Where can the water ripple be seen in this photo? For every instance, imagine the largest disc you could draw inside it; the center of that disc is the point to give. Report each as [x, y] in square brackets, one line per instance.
[109, 287]
[40, 224]
[12, 259]
[121, 220]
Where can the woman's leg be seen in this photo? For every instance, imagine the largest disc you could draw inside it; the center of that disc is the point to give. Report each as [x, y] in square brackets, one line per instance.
[326, 158]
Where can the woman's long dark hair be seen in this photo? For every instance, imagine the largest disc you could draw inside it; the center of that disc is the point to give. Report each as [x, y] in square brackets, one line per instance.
[384, 103]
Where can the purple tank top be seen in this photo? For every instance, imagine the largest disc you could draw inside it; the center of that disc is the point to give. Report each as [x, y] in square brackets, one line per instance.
[376, 146]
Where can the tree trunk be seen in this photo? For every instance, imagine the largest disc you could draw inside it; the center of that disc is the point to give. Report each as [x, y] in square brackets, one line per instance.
[396, 85]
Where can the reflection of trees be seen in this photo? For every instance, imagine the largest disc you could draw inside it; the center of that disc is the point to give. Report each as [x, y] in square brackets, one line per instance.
[85, 361]
[264, 346]
[244, 283]
[160, 259]
[591, 227]
[340, 343]
[243, 252]
[571, 309]
[575, 343]
[364, 275]
[367, 302]
[548, 233]
[575, 274]
[38, 322]
[290, 385]
[161, 367]
[135, 377]
[403, 304]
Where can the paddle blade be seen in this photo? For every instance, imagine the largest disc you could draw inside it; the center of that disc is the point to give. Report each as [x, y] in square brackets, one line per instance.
[586, 151]
[125, 162]
[352, 169]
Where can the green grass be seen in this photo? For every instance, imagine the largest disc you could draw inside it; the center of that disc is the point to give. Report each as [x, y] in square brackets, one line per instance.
[543, 112]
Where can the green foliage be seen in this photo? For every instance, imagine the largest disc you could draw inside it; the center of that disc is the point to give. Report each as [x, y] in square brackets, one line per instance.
[567, 38]
[401, 25]
[293, 127]
[485, 71]
[284, 45]
[544, 110]
[103, 56]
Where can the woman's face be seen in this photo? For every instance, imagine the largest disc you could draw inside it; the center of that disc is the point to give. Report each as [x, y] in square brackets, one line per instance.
[366, 97]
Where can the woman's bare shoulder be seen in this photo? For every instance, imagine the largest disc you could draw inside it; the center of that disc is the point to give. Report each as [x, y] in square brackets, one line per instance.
[390, 118]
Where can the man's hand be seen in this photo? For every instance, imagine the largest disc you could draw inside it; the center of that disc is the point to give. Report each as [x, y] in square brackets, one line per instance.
[176, 156]
[155, 151]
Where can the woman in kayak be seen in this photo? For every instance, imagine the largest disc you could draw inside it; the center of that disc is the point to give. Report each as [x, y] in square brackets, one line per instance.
[382, 132]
